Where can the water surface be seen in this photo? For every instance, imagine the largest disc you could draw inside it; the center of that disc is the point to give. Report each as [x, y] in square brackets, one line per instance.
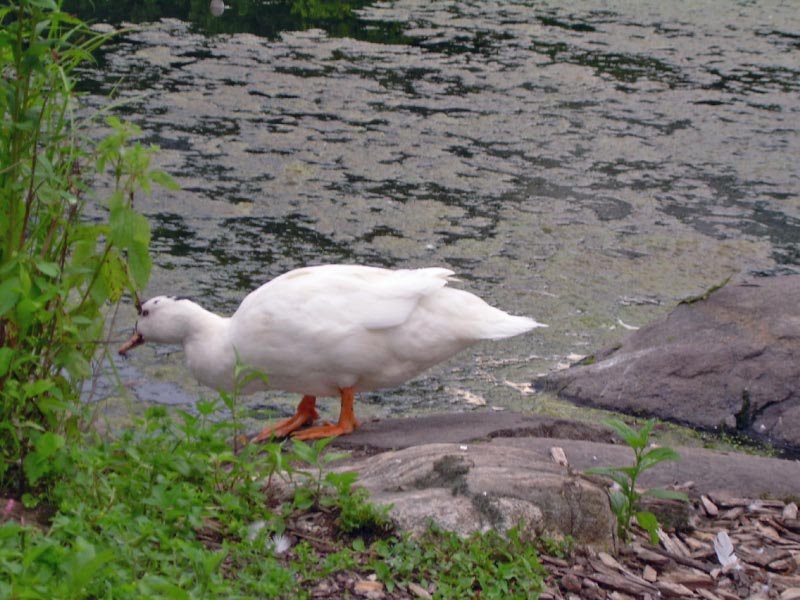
[588, 164]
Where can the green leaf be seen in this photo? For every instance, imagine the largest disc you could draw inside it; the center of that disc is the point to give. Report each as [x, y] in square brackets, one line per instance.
[320, 445]
[34, 389]
[49, 5]
[140, 264]
[50, 269]
[649, 523]
[111, 282]
[645, 431]
[6, 354]
[127, 227]
[157, 586]
[212, 562]
[39, 463]
[75, 363]
[9, 294]
[334, 456]
[27, 310]
[303, 498]
[629, 435]
[205, 407]
[656, 455]
[614, 473]
[48, 444]
[245, 375]
[342, 482]
[85, 564]
[304, 452]
[164, 180]
[619, 504]
[130, 231]
[24, 280]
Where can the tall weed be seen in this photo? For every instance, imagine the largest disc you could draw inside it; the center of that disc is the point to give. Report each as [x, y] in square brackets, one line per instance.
[59, 271]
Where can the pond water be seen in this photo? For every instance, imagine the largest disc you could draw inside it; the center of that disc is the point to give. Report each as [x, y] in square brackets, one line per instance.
[587, 164]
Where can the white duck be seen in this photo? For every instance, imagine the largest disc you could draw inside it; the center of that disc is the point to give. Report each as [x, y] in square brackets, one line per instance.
[330, 330]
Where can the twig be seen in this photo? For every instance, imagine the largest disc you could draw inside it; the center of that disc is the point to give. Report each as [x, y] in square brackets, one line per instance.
[684, 560]
[310, 538]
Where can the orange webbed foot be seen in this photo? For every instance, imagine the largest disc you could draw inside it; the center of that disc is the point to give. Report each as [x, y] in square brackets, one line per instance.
[305, 415]
[324, 431]
[347, 421]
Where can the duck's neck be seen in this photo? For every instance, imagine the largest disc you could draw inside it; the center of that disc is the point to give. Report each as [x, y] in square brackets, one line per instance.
[209, 352]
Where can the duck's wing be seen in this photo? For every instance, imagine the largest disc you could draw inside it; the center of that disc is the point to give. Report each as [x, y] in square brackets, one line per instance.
[345, 295]
[388, 300]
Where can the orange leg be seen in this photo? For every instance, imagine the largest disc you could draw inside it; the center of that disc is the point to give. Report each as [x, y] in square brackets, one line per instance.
[347, 421]
[305, 415]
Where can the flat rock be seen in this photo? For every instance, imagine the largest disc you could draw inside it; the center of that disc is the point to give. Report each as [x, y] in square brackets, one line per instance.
[728, 361]
[707, 471]
[585, 445]
[394, 434]
[475, 487]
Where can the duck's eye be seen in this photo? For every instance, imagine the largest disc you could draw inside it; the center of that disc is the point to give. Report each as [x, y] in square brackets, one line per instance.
[145, 313]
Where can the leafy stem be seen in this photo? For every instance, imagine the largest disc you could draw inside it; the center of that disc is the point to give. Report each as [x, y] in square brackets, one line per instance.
[624, 496]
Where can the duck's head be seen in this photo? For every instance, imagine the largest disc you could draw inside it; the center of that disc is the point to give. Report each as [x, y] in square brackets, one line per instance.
[162, 320]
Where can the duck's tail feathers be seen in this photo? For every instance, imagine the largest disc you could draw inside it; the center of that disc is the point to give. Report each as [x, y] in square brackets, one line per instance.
[506, 326]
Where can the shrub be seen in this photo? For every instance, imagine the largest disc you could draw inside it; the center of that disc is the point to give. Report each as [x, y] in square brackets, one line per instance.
[59, 271]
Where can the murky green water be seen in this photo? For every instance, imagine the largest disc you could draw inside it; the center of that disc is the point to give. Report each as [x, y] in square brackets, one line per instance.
[586, 164]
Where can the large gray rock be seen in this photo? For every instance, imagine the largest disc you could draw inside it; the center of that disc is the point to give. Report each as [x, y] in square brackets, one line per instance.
[475, 487]
[729, 361]
[585, 445]
[395, 434]
[496, 469]
[703, 471]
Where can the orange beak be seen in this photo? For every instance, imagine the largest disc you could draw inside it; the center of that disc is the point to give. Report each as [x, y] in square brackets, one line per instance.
[136, 340]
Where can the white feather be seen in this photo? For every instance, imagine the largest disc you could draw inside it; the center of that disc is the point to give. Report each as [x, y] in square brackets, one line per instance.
[726, 556]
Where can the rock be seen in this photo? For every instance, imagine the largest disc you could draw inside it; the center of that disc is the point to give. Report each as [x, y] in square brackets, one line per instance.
[472, 485]
[711, 471]
[467, 488]
[394, 434]
[726, 361]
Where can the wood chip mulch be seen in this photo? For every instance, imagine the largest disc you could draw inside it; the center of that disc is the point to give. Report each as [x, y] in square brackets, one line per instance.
[762, 556]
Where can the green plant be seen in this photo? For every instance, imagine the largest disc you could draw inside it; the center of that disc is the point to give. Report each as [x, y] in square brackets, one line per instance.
[163, 510]
[59, 270]
[560, 547]
[243, 375]
[166, 509]
[316, 459]
[488, 565]
[625, 499]
[357, 515]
